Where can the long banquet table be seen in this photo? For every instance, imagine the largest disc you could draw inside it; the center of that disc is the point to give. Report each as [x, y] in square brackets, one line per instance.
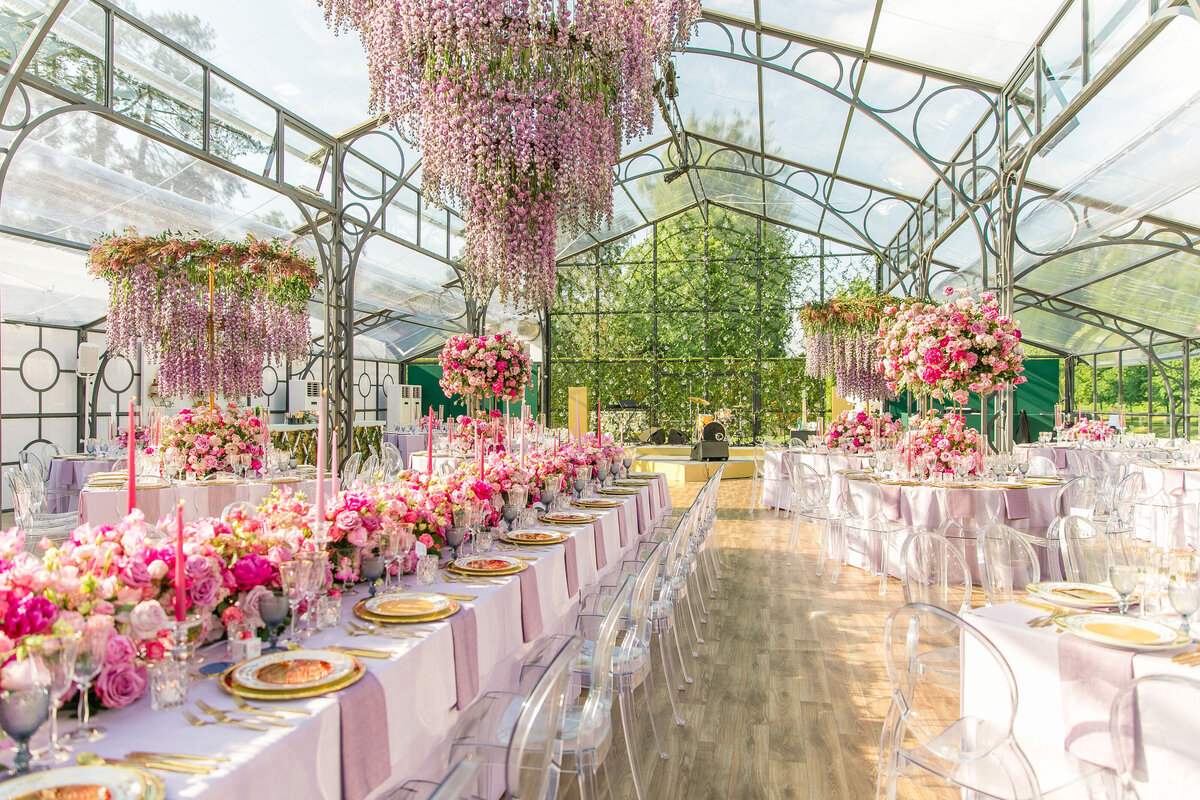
[396, 723]
[106, 505]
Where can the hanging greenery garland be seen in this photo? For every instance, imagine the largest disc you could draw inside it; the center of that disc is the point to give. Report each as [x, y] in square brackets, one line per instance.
[840, 342]
[520, 110]
[211, 314]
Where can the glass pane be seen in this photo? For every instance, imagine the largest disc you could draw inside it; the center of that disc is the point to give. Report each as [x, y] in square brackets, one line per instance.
[158, 85]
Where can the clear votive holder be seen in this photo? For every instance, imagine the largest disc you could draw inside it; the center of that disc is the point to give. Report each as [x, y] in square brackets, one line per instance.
[168, 684]
[485, 538]
[329, 612]
[426, 569]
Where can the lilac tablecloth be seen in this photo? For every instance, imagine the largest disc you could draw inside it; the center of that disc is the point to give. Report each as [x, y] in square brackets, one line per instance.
[107, 506]
[67, 477]
[776, 489]
[420, 689]
[406, 443]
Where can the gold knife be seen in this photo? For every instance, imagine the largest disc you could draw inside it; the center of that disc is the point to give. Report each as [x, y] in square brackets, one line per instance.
[175, 756]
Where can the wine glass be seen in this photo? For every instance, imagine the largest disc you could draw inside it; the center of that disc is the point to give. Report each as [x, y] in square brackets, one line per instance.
[293, 576]
[273, 608]
[57, 653]
[89, 659]
[1124, 580]
[314, 588]
[371, 568]
[24, 705]
[1183, 588]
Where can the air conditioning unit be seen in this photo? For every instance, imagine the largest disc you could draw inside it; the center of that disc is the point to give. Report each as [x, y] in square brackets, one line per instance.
[303, 396]
[402, 402]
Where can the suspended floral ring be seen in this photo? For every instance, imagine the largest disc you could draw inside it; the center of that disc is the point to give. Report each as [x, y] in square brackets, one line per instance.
[840, 340]
[211, 314]
[520, 110]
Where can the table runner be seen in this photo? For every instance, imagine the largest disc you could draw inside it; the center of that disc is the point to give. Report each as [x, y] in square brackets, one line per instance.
[366, 753]
[1091, 676]
[465, 630]
[531, 605]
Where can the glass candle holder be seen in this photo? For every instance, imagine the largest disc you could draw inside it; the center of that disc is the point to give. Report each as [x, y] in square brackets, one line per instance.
[168, 684]
[426, 569]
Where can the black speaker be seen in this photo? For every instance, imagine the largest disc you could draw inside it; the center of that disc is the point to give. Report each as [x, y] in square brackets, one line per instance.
[714, 432]
[710, 451]
[652, 436]
[675, 436]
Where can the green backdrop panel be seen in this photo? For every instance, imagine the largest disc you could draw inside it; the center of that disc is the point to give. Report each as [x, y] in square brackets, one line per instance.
[427, 374]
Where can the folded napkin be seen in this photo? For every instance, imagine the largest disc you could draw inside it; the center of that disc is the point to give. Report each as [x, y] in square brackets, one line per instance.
[601, 556]
[1016, 503]
[366, 752]
[643, 509]
[1091, 676]
[531, 604]
[622, 526]
[572, 561]
[464, 628]
[960, 503]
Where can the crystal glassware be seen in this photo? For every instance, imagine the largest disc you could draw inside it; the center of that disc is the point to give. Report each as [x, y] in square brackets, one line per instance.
[293, 576]
[168, 684]
[314, 589]
[1183, 588]
[89, 659]
[1124, 580]
[58, 654]
[426, 570]
[24, 706]
[273, 608]
[371, 568]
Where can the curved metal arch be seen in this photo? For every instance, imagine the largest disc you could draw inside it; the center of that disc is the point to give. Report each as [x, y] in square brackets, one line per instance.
[1189, 248]
[854, 102]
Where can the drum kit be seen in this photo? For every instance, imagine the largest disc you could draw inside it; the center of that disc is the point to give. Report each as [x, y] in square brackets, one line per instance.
[726, 417]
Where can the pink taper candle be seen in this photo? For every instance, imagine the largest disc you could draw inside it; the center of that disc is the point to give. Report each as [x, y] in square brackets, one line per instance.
[320, 504]
[429, 445]
[333, 463]
[597, 421]
[180, 580]
[132, 492]
[479, 455]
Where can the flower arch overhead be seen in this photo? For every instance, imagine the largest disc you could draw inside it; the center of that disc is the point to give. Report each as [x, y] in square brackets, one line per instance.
[520, 108]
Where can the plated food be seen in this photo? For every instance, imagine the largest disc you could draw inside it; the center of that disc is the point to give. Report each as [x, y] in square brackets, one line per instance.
[90, 782]
[596, 503]
[568, 517]
[534, 536]
[1071, 594]
[487, 565]
[292, 674]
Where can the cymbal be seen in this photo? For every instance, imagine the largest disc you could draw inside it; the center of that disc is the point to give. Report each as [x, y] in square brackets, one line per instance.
[698, 401]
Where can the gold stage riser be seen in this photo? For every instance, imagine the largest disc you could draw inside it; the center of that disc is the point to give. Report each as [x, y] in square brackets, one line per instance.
[694, 471]
[685, 451]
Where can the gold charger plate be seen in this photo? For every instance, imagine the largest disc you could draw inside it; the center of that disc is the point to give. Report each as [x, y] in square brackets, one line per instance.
[598, 504]
[621, 491]
[227, 683]
[285, 479]
[551, 537]
[517, 566]
[590, 518]
[223, 482]
[631, 482]
[361, 612]
[1044, 481]
[117, 781]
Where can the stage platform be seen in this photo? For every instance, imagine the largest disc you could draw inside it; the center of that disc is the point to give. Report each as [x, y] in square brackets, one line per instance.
[675, 461]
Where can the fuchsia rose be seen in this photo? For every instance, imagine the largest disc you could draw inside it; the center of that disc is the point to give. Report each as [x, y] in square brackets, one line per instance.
[29, 616]
[253, 570]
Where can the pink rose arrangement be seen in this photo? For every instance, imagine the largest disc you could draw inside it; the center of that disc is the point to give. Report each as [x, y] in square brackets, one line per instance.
[1090, 430]
[141, 435]
[207, 440]
[948, 351]
[938, 443]
[861, 431]
[493, 365]
[468, 429]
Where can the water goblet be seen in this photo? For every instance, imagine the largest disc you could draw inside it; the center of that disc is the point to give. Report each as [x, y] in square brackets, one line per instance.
[57, 653]
[89, 659]
[24, 707]
[1124, 580]
[455, 535]
[314, 588]
[372, 568]
[1183, 588]
[293, 576]
[273, 608]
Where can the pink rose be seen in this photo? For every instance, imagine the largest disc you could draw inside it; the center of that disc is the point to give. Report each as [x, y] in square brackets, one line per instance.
[120, 649]
[147, 619]
[252, 570]
[118, 685]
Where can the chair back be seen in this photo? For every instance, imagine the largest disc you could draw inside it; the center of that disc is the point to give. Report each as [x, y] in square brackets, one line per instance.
[934, 572]
[1153, 731]
[760, 460]
[22, 499]
[794, 442]
[1007, 563]
[929, 702]
[1078, 496]
[459, 783]
[242, 507]
[969, 511]
[1166, 523]
[535, 747]
[1086, 553]
[598, 704]
[30, 457]
[1127, 492]
[390, 461]
[368, 474]
[1041, 467]
[862, 500]
[638, 633]
[350, 469]
[809, 486]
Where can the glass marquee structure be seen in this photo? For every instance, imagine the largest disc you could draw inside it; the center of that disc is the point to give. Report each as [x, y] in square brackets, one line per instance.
[1045, 151]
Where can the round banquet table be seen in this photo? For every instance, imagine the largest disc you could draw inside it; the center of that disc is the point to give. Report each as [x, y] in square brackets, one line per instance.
[106, 506]
[67, 476]
[419, 461]
[1117, 457]
[406, 443]
[926, 507]
[776, 465]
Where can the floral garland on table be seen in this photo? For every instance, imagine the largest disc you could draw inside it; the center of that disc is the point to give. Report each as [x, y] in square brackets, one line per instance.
[840, 341]
[948, 351]
[855, 430]
[207, 439]
[467, 429]
[141, 435]
[494, 365]
[937, 443]
[520, 110]
[159, 296]
[1093, 430]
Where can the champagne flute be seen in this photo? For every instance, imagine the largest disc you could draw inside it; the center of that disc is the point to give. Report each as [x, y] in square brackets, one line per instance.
[293, 576]
[1183, 588]
[89, 660]
[58, 655]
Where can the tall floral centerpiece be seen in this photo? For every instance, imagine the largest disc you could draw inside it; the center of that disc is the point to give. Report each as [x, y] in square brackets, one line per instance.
[494, 365]
[861, 431]
[211, 314]
[1089, 430]
[948, 351]
[200, 441]
[840, 338]
[520, 111]
[939, 443]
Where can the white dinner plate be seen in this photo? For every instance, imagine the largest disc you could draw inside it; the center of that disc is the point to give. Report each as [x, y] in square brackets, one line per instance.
[1075, 595]
[293, 670]
[1126, 633]
[122, 782]
[407, 604]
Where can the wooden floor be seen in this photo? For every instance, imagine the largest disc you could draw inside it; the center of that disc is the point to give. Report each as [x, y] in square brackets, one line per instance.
[790, 689]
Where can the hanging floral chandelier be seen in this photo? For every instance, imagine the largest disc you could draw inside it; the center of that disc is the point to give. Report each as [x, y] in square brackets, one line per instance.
[840, 340]
[520, 110]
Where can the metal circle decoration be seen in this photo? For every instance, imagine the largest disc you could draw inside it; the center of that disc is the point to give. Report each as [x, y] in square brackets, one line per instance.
[39, 369]
[380, 147]
[958, 106]
[118, 374]
[882, 212]
[387, 378]
[847, 198]
[821, 66]
[804, 183]
[978, 181]
[25, 109]
[1045, 225]
[906, 88]
[270, 380]
[364, 384]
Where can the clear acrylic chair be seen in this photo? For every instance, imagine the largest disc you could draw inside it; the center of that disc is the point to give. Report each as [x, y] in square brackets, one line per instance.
[934, 572]
[1165, 522]
[1153, 730]
[243, 506]
[769, 466]
[390, 461]
[30, 515]
[1119, 523]
[368, 474]
[1086, 554]
[1041, 467]
[929, 738]
[515, 736]
[48, 502]
[1007, 563]
[1078, 496]
[812, 493]
[964, 520]
[459, 784]
[864, 515]
[349, 471]
[586, 733]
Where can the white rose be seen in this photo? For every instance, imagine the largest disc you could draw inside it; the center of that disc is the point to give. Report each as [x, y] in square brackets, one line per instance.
[147, 619]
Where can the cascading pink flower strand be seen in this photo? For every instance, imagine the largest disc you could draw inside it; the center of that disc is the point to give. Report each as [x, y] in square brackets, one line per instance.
[520, 110]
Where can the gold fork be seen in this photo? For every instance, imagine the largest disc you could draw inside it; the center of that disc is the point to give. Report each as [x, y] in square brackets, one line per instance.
[242, 703]
[220, 716]
[194, 720]
[379, 630]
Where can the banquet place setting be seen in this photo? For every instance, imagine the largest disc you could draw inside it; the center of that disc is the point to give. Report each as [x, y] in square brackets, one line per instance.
[582, 399]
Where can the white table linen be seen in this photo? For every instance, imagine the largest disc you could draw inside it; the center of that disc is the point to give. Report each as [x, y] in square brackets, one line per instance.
[106, 506]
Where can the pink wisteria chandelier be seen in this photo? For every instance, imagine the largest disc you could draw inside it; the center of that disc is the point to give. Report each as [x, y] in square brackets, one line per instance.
[520, 108]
